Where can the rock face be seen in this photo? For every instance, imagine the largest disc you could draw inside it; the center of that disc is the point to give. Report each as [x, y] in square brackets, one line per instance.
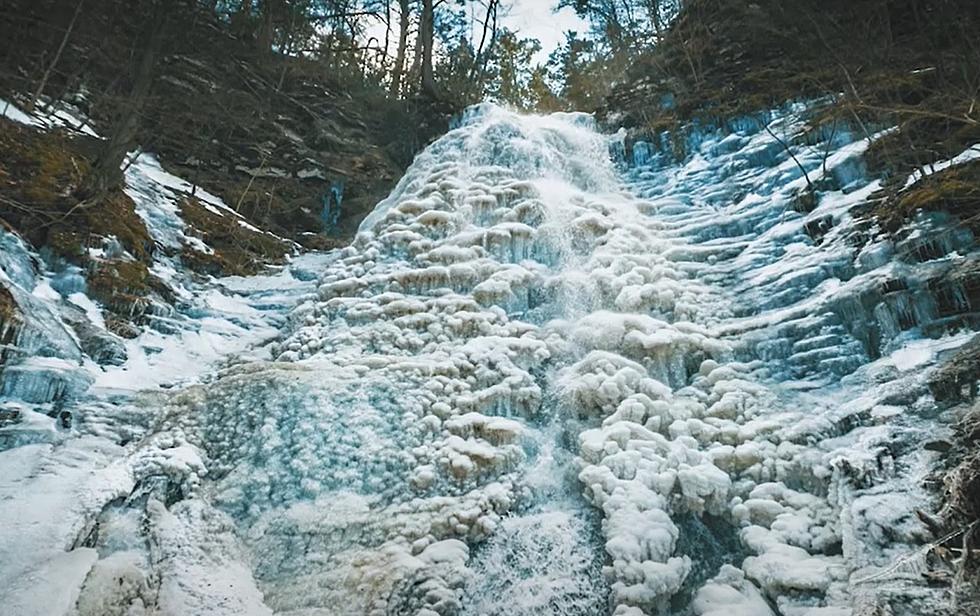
[545, 378]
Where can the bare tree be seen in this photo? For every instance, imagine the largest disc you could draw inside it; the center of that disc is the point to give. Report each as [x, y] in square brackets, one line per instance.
[269, 13]
[106, 171]
[483, 51]
[241, 19]
[426, 35]
[57, 56]
[404, 20]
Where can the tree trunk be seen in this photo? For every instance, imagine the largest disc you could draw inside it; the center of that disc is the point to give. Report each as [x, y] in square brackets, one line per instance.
[427, 36]
[267, 25]
[478, 70]
[106, 172]
[403, 23]
[57, 56]
[387, 47]
[242, 19]
[655, 18]
[416, 69]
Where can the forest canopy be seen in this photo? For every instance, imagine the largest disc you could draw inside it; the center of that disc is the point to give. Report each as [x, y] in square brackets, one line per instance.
[455, 51]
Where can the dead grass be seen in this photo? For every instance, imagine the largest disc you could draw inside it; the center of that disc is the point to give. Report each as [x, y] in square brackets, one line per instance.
[119, 285]
[954, 385]
[9, 311]
[956, 381]
[961, 506]
[918, 142]
[238, 250]
[955, 190]
[39, 171]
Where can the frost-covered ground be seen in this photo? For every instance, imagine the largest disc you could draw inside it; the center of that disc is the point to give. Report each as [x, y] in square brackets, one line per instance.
[538, 382]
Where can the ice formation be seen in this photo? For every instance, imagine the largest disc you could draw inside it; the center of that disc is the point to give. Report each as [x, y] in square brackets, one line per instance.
[547, 377]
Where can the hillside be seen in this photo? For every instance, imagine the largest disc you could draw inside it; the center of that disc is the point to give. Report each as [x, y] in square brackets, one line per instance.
[301, 152]
[861, 67]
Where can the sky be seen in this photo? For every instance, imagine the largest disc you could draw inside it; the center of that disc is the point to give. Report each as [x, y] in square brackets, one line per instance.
[537, 19]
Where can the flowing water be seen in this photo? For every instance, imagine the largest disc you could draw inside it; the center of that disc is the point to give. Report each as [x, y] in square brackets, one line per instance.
[546, 378]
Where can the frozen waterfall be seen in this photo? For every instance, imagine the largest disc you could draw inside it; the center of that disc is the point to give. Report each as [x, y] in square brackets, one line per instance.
[549, 377]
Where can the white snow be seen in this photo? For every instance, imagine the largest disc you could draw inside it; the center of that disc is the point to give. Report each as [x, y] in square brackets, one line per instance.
[157, 195]
[12, 112]
[53, 588]
[46, 118]
[92, 310]
[233, 318]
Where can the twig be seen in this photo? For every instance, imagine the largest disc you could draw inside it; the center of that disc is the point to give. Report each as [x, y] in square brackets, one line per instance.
[132, 160]
[786, 147]
[26, 208]
[921, 113]
[250, 180]
[81, 205]
[830, 144]
[917, 553]
[57, 56]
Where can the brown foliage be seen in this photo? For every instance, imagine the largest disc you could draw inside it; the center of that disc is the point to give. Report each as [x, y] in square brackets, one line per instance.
[955, 190]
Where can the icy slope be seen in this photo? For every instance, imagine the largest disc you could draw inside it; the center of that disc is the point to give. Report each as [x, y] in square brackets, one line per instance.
[79, 410]
[540, 381]
[75, 462]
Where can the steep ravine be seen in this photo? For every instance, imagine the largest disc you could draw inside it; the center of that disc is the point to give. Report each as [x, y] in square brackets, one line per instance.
[545, 378]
